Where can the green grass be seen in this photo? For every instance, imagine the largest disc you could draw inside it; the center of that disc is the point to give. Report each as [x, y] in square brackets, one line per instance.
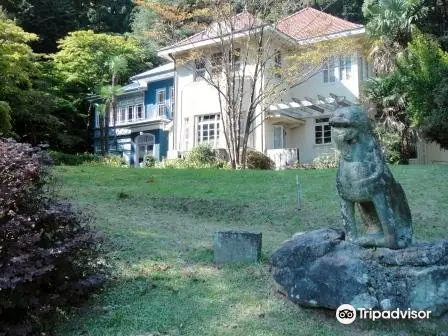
[159, 226]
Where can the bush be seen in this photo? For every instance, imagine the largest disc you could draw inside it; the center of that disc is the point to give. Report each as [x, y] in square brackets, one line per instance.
[389, 142]
[114, 161]
[49, 256]
[326, 161]
[60, 158]
[202, 154]
[149, 161]
[258, 160]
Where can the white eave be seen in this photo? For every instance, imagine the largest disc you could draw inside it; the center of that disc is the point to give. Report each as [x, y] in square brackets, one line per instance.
[161, 72]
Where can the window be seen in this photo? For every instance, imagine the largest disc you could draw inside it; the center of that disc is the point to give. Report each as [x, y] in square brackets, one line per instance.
[160, 102]
[329, 70]
[216, 62]
[322, 131]
[236, 58]
[345, 67]
[208, 129]
[130, 113]
[121, 118]
[139, 112]
[200, 68]
[278, 137]
[172, 101]
[278, 64]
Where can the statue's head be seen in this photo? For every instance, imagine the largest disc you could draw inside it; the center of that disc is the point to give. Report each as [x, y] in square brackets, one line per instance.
[348, 123]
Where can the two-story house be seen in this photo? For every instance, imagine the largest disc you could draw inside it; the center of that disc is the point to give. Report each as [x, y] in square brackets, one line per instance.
[143, 116]
[293, 128]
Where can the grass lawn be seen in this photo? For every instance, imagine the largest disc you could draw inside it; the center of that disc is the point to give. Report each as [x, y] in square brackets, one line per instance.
[160, 226]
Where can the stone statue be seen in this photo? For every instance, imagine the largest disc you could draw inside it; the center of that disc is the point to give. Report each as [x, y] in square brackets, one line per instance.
[364, 179]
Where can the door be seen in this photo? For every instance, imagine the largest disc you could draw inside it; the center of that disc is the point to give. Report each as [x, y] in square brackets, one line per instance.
[145, 146]
[278, 137]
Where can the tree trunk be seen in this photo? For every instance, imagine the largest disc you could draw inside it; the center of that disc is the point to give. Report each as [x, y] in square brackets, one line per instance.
[114, 116]
[102, 136]
[106, 129]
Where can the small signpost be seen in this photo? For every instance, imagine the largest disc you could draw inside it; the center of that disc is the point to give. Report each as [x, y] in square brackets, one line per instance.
[298, 192]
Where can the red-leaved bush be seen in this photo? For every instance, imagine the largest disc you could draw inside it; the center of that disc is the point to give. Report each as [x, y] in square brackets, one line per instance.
[49, 257]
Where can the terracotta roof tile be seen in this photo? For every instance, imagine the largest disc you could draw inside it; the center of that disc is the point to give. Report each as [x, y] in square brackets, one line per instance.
[310, 22]
[306, 23]
[242, 21]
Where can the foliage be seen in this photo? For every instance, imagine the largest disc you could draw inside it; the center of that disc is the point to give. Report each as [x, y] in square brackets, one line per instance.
[85, 57]
[49, 255]
[387, 95]
[435, 126]
[60, 158]
[325, 161]
[166, 22]
[114, 161]
[389, 142]
[5, 118]
[52, 20]
[391, 24]
[421, 70]
[258, 160]
[202, 154]
[17, 61]
[393, 19]
[149, 161]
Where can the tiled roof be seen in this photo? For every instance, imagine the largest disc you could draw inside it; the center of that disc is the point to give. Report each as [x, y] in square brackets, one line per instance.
[304, 24]
[310, 22]
[242, 22]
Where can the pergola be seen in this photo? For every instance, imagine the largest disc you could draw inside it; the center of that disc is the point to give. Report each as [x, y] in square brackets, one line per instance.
[298, 109]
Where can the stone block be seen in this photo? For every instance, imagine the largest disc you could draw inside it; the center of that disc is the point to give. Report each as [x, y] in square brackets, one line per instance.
[236, 246]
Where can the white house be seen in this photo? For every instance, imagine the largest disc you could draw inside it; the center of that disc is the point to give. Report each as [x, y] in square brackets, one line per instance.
[294, 128]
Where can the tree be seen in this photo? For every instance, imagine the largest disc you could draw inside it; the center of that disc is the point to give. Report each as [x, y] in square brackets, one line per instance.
[117, 65]
[52, 20]
[390, 25]
[165, 22]
[84, 57]
[435, 126]
[421, 69]
[248, 69]
[17, 61]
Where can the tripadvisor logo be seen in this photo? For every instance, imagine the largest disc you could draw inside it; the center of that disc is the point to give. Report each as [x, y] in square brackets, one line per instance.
[346, 314]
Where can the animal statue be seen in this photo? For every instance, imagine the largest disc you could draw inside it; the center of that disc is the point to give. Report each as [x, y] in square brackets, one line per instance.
[364, 179]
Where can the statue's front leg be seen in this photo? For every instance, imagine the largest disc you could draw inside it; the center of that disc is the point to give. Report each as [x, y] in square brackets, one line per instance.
[348, 218]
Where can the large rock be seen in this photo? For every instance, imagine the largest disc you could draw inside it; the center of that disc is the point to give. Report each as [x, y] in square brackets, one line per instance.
[321, 269]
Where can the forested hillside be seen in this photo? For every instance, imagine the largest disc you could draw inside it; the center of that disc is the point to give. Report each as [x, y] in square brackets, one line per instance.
[55, 54]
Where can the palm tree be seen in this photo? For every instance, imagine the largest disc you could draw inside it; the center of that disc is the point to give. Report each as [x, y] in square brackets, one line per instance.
[391, 24]
[118, 65]
[109, 95]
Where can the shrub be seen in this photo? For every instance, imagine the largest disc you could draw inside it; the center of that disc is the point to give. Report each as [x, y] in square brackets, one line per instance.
[114, 161]
[149, 161]
[202, 154]
[49, 256]
[389, 142]
[258, 160]
[60, 158]
[326, 161]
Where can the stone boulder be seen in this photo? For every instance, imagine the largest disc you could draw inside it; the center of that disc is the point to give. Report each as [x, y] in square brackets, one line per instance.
[321, 269]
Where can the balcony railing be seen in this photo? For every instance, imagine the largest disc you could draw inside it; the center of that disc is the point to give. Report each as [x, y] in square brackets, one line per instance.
[152, 112]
